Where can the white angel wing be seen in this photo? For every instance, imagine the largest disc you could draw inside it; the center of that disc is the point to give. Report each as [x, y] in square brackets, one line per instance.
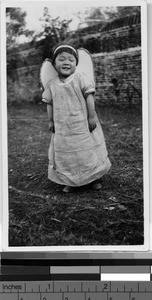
[85, 64]
[47, 72]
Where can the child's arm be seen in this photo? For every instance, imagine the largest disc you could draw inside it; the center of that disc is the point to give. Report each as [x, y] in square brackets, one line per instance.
[50, 117]
[91, 112]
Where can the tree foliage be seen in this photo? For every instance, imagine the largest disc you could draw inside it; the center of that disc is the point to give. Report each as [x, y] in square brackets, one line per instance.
[54, 31]
[15, 25]
[121, 11]
[90, 16]
[95, 15]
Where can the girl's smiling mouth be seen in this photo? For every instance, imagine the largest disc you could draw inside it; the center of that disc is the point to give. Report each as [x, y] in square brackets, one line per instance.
[66, 68]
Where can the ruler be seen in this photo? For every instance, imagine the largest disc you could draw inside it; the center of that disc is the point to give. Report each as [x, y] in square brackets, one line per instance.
[75, 290]
[64, 279]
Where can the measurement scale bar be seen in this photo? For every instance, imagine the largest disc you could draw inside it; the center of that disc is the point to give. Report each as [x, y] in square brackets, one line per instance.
[58, 290]
[76, 273]
[125, 277]
[88, 258]
[76, 277]
[24, 270]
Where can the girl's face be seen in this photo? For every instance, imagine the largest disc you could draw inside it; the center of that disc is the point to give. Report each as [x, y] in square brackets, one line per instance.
[65, 64]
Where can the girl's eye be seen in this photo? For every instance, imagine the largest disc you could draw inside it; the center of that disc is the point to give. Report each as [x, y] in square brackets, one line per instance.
[71, 59]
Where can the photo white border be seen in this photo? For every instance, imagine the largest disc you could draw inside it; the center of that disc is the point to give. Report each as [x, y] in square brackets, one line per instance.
[149, 41]
[4, 175]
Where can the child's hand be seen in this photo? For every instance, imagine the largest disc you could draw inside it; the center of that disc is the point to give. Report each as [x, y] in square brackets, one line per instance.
[51, 126]
[92, 124]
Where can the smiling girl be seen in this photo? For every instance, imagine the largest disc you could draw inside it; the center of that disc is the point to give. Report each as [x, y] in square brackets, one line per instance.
[77, 153]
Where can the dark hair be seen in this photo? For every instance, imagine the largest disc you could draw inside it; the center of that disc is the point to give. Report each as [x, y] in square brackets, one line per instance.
[65, 48]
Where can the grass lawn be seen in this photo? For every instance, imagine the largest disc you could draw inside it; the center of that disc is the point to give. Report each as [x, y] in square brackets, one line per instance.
[40, 214]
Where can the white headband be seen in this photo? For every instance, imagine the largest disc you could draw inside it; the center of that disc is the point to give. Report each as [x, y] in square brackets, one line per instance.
[65, 46]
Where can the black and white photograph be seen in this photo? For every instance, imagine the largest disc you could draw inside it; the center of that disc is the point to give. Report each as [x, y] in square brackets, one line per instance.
[76, 144]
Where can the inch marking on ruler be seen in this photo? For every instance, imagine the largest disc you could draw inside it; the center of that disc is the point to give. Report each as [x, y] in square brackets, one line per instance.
[86, 290]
